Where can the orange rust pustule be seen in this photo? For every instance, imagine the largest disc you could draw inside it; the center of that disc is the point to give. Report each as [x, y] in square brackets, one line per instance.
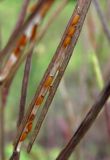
[39, 100]
[67, 41]
[45, 7]
[29, 126]
[31, 118]
[71, 31]
[32, 8]
[22, 40]
[23, 136]
[48, 81]
[17, 51]
[75, 19]
[33, 35]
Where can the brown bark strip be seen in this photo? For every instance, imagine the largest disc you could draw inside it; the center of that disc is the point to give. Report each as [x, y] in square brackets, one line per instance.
[86, 123]
[38, 39]
[24, 93]
[24, 88]
[9, 46]
[2, 147]
[91, 35]
[67, 57]
[55, 86]
[18, 25]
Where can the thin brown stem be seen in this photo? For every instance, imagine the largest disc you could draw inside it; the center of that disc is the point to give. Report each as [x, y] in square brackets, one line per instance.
[2, 124]
[86, 123]
[24, 93]
[69, 106]
[11, 43]
[102, 19]
[24, 88]
[98, 73]
[17, 27]
[39, 37]
[52, 18]
[2, 147]
[60, 74]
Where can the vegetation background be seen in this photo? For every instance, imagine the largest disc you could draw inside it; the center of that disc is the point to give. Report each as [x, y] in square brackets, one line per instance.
[79, 82]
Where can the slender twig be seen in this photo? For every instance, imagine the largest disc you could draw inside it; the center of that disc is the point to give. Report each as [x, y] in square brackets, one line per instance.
[18, 25]
[52, 18]
[58, 64]
[86, 123]
[69, 107]
[2, 154]
[102, 19]
[50, 2]
[24, 92]
[10, 44]
[100, 82]
[28, 37]
[24, 88]
[97, 69]
[56, 83]
[39, 37]
[2, 124]
[0, 35]
[45, 109]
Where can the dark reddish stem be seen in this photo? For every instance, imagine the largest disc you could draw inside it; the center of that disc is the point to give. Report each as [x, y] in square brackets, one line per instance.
[86, 123]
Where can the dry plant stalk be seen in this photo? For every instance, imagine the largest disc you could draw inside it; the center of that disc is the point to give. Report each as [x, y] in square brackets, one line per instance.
[57, 65]
[39, 36]
[27, 37]
[2, 111]
[64, 65]
[24, 93]
[86, 123]
[19, 22]
[2, 138]
[24, 88]
[97, 69]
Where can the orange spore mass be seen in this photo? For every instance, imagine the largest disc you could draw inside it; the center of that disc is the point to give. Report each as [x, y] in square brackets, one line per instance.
[71, 31]
[75, 19]
[39, 100]
[48, 81]
[22, 40]
[33, 35]
[32, 8]
[29, 126]
[17, 51]
[23, 136]
[44, 9]
[67, 41]
[31, 118]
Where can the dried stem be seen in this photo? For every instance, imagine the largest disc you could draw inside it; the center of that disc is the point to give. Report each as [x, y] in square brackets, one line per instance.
[17, 27]
[86, 123]
[2, 147]
[59, 76]
[38, 39]
[10, 44]
[97, 69]
[102, 19]
[69, 107]
[7, 73]
[24, 93]
[24, 88]
[52, 18]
